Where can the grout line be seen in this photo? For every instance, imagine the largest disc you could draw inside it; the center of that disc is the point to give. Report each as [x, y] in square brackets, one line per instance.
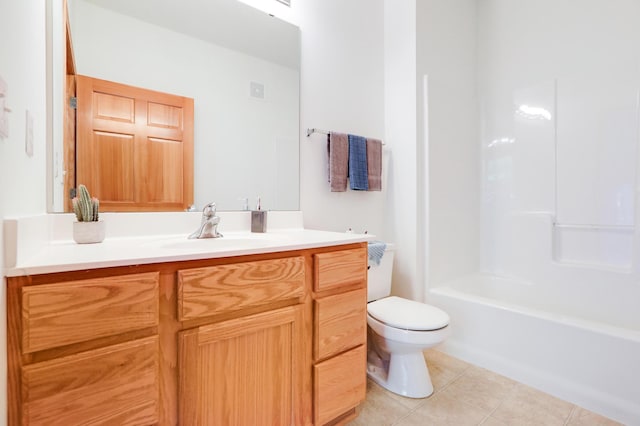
[570, 416]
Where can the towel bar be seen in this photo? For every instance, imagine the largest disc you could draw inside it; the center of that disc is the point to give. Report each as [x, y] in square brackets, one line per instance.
[313, 130]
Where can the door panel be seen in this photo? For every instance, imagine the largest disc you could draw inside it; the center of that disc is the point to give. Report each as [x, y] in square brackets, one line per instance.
[246, 371]
[134, 146]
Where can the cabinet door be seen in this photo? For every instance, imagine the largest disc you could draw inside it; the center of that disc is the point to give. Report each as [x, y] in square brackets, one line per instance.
[340, 323]
[245, 371]
[340, 384]
[118, 384]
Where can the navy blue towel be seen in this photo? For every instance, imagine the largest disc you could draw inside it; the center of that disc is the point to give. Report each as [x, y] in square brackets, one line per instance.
[358, 176]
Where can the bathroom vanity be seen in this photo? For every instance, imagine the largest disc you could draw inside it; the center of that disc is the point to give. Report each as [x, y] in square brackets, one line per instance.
[274, 334]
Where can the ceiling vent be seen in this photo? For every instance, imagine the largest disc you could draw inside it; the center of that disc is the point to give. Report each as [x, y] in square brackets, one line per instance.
[285, 2]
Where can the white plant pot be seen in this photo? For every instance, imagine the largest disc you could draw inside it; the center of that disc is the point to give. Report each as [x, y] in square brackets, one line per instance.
[88, 232]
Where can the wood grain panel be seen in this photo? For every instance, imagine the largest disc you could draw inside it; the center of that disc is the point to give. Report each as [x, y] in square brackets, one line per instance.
[113, 107]
[226, 288]
[168, 116]
[162, 177]
[339, 384]
[246, 371]
[339, 268]
[340, 323]
[115, 167]
[75, 311]
[112, 385]
[146, 116]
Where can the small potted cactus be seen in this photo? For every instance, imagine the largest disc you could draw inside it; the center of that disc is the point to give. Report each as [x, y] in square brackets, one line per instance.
[88, 228]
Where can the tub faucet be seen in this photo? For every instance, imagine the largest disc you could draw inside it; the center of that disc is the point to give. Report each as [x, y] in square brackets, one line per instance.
[209, 224]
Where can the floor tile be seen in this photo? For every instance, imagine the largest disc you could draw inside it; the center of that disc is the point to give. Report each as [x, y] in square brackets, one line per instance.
[469, 395]
[528, 406]
[582, 417]
[409, 403]
[480, 388]
[380, 408]
[443, 410]
[492, 421]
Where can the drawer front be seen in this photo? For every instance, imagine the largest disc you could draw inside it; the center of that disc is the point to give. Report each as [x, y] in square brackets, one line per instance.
[340, 323]
[117, 384]
[76, 311]
[339, 268]
[221, 289]
[340, 384]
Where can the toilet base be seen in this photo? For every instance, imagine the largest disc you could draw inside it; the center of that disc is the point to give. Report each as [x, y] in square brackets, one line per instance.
[405, 374]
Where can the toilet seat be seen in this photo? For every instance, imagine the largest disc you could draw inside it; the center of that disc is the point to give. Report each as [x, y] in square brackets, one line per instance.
[407, 314]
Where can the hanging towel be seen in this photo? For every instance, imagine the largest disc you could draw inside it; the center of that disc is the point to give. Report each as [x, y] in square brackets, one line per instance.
[358, 179]
[374, 164]
[376, 251]
[338, 149]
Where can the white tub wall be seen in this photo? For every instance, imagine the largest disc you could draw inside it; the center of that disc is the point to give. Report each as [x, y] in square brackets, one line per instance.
[522, 60]
[580, 162]
[533, 174]
[446, 54]
[589, 369]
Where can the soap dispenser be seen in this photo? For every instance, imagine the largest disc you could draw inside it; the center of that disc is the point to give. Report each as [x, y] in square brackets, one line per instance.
[258, 218]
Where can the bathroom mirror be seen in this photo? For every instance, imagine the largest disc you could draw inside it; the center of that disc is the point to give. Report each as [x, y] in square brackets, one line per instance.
[241, 67]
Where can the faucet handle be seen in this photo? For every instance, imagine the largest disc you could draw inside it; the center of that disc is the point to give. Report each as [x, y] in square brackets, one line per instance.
[209, 210]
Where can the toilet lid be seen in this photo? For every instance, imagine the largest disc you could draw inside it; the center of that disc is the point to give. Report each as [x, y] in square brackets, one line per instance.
[407, 314]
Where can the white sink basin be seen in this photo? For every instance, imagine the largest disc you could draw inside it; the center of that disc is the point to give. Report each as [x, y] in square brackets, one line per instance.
[228, 241]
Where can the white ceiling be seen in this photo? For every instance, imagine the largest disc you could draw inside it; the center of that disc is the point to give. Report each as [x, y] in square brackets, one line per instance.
[229, 23]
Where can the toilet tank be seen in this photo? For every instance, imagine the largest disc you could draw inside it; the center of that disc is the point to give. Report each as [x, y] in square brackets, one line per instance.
[379, 276]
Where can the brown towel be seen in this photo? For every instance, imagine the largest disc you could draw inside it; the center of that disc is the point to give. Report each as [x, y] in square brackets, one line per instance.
[338, 148]
[374, 164]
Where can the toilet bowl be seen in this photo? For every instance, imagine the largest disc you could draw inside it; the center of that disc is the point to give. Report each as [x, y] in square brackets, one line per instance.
[398, 332]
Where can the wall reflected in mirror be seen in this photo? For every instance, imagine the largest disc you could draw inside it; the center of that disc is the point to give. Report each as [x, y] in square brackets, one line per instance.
[241, 67]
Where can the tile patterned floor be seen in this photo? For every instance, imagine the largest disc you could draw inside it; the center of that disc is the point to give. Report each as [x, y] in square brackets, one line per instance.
[468, 395]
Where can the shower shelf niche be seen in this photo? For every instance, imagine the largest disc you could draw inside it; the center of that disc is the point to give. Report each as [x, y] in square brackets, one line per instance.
[600, 246]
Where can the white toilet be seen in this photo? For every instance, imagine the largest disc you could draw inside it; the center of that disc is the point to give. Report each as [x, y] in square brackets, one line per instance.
[399, 331]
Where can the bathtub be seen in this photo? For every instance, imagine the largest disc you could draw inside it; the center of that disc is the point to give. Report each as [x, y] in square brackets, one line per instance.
[566, 348]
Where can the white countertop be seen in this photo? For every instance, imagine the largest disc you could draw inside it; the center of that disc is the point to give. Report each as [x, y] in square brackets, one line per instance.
[60, 254]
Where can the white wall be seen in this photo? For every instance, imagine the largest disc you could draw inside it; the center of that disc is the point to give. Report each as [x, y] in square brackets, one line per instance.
[446, 46]
[243, 147]
[342, 80]
[404, 207]
[22, 179]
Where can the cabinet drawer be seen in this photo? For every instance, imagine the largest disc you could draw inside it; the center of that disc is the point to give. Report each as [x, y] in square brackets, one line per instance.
[75, 311]
[339, 384]
[113, 385]
[226, 288]
[339, 268]
[340, 323]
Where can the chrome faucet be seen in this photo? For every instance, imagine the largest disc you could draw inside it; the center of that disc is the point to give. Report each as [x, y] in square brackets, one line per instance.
[209, 224]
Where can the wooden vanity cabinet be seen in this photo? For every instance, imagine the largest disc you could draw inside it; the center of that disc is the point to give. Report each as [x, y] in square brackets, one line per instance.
[247, 370]
[272, 339]
[340, 333]
[83, 351]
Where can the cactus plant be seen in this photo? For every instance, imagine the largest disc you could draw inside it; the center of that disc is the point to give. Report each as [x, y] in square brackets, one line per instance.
[84, 206]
